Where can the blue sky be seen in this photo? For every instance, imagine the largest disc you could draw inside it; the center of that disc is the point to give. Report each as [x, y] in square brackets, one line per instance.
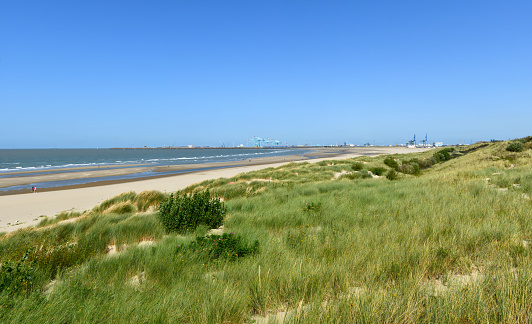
[135, 73]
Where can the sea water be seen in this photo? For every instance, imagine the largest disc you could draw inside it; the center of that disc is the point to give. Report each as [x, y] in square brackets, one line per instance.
[43, 159]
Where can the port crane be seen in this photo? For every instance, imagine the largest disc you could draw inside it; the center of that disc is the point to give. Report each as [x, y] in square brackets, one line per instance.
[412, 141]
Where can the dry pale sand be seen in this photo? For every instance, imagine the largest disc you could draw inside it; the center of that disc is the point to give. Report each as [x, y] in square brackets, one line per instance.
[21, 210]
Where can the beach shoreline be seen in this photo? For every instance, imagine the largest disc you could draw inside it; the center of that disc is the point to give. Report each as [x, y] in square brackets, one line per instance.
[22, 209]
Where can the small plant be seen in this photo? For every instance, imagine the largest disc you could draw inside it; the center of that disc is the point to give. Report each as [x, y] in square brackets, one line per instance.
[410, 167]
[310, 207]
[392, 175]
[364, 174]
[225, 246]
[390, 161]
[426, 163]
[16, 277]
[515, 147]
[358, 166]
[443, 155]
[185, 213]
[378, 171]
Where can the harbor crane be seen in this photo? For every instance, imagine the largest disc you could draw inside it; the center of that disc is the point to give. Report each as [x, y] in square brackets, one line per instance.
[412, 141]
[424, 141]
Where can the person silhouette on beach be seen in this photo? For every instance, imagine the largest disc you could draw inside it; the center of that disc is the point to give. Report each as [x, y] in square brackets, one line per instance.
[33, 189]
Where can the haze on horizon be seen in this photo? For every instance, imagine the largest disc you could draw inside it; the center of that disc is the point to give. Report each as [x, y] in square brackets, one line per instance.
[206, 73]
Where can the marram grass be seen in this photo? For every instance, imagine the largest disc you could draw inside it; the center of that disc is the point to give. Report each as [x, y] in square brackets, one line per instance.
[447, 246]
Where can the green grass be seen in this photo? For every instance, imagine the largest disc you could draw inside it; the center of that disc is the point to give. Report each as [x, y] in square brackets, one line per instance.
[446, 246]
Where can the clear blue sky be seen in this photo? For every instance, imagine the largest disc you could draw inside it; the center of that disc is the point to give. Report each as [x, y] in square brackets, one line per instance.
[134, 73]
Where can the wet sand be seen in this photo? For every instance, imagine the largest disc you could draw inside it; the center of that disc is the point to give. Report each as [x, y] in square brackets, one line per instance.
[23, 208]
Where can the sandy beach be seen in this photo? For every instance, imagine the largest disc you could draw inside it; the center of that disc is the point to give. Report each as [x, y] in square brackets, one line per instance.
[21, 209]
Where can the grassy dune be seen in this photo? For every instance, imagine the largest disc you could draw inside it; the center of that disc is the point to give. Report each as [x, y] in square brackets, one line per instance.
[336, 245]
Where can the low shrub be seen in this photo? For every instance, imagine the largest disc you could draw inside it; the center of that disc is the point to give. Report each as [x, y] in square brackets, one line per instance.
[444, 155]
[226, 246]
[515, 147]
[378, 170]
[391, 162]
[392, 175]
[16, 277]
[185, 213]
[410, 167]
[364, 174]
[358, 166]
[426, 163]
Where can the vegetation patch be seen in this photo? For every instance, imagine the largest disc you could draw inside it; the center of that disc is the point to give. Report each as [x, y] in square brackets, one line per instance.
[392, 175]
[515, 147]
[379, 171]
[391, 162]
[186, 212]
[16, 277]
[225, 246]
[312, 207]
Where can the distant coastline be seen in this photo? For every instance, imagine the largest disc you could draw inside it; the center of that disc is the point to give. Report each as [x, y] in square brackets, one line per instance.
[208, 148]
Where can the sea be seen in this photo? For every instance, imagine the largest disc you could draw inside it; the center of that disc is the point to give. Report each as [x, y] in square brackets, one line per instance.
[43, 161]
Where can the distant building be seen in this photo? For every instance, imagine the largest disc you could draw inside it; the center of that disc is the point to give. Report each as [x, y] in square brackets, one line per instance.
[438, 144]
[191, 146]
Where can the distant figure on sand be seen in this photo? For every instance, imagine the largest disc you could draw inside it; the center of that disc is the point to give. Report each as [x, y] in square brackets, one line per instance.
[33, 189]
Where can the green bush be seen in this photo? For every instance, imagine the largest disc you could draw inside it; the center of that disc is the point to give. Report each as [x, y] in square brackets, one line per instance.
[226, 246]
[16, 277]
[426, 163]
[390, 161]
[358, 166]
[410, 167]
[515, 147]
[392, 175]
[364, 174]
[185, 213]
[444, 155]
[378, 170]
